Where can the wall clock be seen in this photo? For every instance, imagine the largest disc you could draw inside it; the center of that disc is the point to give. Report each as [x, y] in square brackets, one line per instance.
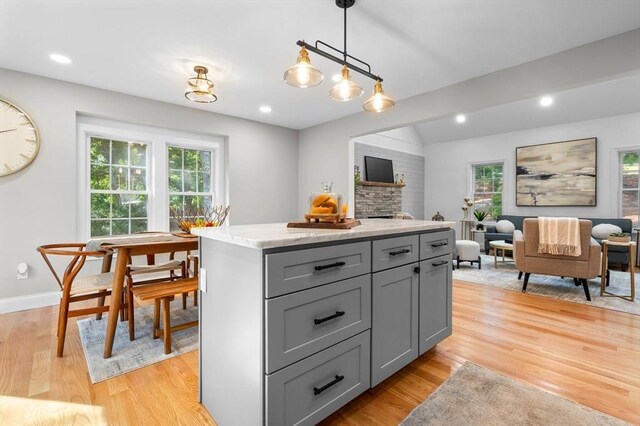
[19, 139]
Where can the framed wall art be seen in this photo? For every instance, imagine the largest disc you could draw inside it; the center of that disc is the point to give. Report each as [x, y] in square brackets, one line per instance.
[557, 174]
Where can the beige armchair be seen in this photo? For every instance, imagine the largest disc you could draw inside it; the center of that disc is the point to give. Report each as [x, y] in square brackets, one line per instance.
[580, 268]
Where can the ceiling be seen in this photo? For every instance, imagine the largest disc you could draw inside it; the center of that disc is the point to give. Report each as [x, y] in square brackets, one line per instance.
[613, 97]
[148, 48]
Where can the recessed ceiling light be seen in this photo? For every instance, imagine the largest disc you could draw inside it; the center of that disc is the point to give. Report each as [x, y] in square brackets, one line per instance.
[546, 101]
[265, 108]
[61, 59]
[336, 77]
[461, 118]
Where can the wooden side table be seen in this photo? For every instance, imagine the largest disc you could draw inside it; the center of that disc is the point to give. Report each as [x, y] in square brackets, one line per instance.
[605, 268]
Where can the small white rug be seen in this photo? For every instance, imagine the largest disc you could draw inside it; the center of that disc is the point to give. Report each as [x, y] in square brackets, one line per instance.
[506, 276]
[144, 350]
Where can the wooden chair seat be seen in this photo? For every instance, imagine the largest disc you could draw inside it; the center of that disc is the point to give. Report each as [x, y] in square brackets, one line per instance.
[92, 283]
[164, 292]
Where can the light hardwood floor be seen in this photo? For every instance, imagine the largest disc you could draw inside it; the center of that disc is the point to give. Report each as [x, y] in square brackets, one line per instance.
[585, 354]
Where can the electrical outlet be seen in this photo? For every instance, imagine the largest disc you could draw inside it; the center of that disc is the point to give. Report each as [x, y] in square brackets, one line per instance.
[23, 271]
[203, 280]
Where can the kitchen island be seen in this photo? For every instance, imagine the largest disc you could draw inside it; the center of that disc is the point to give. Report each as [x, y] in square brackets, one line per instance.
[295, 323]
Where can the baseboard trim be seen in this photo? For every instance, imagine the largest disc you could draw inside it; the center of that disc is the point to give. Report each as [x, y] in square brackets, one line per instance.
[32, 301]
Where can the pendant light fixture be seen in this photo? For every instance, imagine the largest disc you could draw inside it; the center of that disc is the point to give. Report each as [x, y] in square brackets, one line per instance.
[378, 102]
[200, 87]
[304, 75]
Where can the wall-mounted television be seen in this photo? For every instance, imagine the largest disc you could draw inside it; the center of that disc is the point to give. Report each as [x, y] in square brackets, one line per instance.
[378, 169]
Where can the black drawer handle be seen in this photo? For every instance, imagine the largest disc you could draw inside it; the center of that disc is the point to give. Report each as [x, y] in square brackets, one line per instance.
[444, 262]
[331, 265]
[318, 391]
[330, 317]
[440, 244]
[403, 251]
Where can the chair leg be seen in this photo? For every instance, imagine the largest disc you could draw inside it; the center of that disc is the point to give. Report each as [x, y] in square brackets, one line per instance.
[586, 289]
[525, 282]
[62, 324]
[576, 282]
[608, 277]
[195, 298]
[520, 275]
[184, 300]
[458, 265]
[131, 319]
[166, 322]
[100, 304]
[479, 262]
[156, 318]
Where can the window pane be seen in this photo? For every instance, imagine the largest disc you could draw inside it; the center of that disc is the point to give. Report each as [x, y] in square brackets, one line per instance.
[189, 181]
[138, 179]
[120, 206]
[100, 206]
[138, 154]
[204, 182]
[120, 153]
[175, 158]
[175, 181]
[100, 177]
[190, 159]
[99, 151]
[120, 227]
[204, 164]
[139, 206]
[138, 225]
[630, 206]
[99, 227]
[119, 178]
[630, 170]
[175, 201]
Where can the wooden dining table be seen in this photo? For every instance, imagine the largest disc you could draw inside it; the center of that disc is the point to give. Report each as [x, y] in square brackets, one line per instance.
[125, 247]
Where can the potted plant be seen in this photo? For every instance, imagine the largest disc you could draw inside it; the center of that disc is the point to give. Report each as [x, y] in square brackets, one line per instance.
[619, 237]
[480, 215]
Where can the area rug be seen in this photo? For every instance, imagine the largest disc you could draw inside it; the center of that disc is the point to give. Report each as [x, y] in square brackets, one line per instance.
[506, 276]
[144, 350]
[474, 395]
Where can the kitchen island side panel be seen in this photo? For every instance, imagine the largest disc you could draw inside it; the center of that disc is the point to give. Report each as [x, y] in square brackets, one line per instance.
[231, 330]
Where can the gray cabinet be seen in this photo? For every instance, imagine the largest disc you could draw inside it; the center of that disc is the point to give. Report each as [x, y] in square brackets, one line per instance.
[394, 324]
[435, 301]
[290, 334]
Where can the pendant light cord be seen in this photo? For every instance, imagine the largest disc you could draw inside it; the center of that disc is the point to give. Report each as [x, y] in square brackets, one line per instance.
[345, 34]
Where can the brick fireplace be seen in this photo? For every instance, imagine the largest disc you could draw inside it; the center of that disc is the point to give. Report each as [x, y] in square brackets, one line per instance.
[375, 199]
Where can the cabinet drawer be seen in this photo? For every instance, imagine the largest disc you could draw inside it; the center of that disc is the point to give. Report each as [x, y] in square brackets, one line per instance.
[301, 269]
[303, 323]
[308, 391]
[392, 252]
[436, 244]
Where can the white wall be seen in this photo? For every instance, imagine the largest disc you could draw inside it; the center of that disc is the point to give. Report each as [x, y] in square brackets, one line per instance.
[451, 161]
[39, 204]
[324, 150]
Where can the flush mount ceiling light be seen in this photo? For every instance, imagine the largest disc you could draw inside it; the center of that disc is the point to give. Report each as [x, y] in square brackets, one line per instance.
[200, 88]
[304, 75]
[461, 118]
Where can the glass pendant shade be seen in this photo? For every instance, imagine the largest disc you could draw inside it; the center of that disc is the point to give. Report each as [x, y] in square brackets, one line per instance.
[200, 88]
[303, 74]
[378, 102]
[345, 89]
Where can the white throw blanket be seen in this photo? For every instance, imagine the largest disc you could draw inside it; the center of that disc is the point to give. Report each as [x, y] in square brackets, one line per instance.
[559, 235]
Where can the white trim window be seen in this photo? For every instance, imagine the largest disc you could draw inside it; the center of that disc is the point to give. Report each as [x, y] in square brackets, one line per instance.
[118, 186]
[487, 184]
[629, 186]
[130, 176]
[190, 181]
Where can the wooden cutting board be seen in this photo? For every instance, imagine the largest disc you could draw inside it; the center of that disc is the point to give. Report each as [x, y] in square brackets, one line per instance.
[347, 224]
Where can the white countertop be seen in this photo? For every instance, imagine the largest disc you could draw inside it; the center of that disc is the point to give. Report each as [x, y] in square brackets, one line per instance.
[271, 235]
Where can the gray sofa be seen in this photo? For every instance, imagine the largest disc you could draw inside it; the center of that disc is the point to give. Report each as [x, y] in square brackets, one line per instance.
[617, 254]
